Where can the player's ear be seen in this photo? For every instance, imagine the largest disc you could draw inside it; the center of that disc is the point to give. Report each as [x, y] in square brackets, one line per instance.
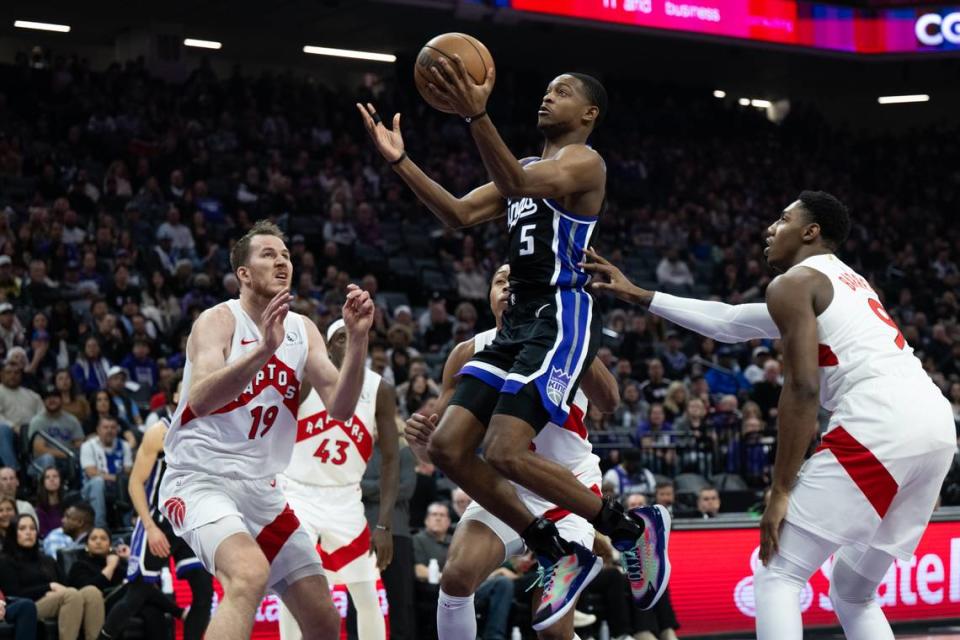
[590, 115]
[811, 232]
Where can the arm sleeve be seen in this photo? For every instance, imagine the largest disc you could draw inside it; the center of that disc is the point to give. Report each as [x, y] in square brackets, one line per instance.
[717, 320]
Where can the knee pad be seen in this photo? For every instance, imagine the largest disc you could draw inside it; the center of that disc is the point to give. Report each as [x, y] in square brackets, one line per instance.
[848, 586]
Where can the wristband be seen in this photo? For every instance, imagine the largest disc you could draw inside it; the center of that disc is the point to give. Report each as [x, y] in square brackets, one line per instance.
[382, 527]
[403, 156]
[470, 119]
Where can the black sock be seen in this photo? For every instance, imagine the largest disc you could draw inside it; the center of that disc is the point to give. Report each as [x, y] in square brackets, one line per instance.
[544, 540]
[612, 521]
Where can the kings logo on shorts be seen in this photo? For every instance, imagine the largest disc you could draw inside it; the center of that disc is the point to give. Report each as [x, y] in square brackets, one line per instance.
[557, 385]
[176, 509]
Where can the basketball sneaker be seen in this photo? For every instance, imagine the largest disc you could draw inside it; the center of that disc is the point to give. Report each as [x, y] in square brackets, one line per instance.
[562, 582]
[645, 560]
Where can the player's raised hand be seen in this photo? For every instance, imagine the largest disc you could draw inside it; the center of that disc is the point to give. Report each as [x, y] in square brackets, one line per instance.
[389, 142]
[417, 433]
[272, 320]
[609, 279]
[453, 84]
[357, 311]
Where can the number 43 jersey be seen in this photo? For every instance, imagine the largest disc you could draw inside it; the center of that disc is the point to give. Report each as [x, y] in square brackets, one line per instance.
[251, 436]
[332, 453]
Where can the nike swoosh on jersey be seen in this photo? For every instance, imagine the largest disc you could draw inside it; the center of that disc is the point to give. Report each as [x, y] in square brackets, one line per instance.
[245, 341]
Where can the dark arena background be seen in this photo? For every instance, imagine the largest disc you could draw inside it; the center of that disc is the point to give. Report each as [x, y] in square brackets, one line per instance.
[140, 140]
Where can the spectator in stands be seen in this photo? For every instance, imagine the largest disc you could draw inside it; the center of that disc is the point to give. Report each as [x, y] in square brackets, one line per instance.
[127, 410]
[103, 406]
[339, 230]
[472, 283]
[18, 405]
[9, 485]
[8, 511]
[73, 530]
[438, 330]
[766, 392]
[106, 460]
[27, 573]
[101, 566]
[49, 501]
[754, 372]
[460, 501]
[654, 388]
[726, 419]
[673, 274]
[664, 494]
[708, 502]
[71, 401]
[675, 402]
[21, 614]
[675, 361]
[141, 368]
[634, 501]
[11, 331]
[631, 410]
[181, 239]
[727, 377]
[655, 429]
[41, 291]
[433, 542]
[50, 427]
[90, 369]
[630, 476]
[418, 391]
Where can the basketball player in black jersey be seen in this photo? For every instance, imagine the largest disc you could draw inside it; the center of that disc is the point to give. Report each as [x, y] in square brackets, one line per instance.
[550, 332]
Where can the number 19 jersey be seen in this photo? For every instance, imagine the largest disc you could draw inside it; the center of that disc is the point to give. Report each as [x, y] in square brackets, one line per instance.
[332, 453]
[866, 366]
[251, 436]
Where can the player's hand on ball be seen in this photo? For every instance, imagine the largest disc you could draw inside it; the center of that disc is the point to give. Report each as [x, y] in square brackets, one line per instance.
[272, 320]
[357, 311]
[418, 432]
[381, 543]
[453, 84]
[609, 279]
[158, 543]
[389, 142]
[770, 524]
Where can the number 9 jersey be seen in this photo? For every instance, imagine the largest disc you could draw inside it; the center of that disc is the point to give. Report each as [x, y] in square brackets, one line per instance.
[251, 436]
[332, 453]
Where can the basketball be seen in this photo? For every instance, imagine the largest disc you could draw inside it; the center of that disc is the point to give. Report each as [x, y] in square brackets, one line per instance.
[476, 58]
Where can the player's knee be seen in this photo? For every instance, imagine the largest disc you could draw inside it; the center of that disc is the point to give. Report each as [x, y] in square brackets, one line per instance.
[325, 624]
[458, 580]
[445, 450]
[505, 459]
[847, 587]
[247, 580]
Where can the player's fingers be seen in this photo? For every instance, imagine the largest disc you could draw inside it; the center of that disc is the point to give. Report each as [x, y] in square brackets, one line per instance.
[434, 419]
[449, 70]
[491, 77]
[595, 257]
[396, 123]
[461, 68]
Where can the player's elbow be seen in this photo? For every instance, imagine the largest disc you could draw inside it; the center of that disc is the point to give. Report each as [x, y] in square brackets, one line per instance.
[803, 388]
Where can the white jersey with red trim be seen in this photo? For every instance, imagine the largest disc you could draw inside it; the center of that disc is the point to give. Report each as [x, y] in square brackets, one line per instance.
[863, 353]
[566, 445]
[331, 453]
[253, 435]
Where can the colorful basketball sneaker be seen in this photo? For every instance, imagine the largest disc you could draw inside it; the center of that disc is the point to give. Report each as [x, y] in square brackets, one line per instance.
[645, 561]
[562, 582]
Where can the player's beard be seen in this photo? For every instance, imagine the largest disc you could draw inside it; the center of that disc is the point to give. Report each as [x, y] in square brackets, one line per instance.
[269, 287]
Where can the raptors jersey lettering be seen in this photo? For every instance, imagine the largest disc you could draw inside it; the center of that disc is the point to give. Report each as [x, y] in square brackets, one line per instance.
[566, 445]
[331, 452]
[252, 436]
[861, 354]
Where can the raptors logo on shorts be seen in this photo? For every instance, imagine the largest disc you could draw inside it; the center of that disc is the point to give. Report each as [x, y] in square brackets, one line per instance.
[175, 509]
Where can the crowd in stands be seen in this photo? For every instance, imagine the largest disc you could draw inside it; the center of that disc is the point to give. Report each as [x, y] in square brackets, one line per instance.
[121, 195]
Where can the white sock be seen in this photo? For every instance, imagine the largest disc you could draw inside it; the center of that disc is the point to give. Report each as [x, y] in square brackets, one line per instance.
[456, 617]
[370, 625]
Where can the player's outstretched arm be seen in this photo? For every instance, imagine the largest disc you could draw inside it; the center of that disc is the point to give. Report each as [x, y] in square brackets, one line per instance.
[575, 169]
[601, 387]
[717, 320]
[147, 455]
[213, 382]
[421, 427]
[386, 416]
[790, 298]
[340, 390]
[483, 204]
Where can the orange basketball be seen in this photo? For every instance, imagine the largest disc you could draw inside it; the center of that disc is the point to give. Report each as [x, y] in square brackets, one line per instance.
[476, 58]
